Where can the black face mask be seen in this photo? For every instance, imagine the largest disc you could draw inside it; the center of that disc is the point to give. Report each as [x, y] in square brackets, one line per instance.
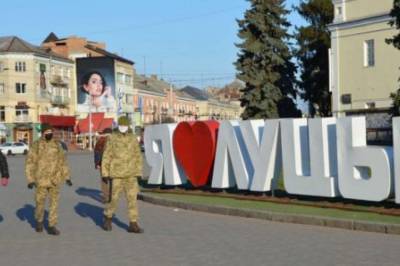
[48, 136]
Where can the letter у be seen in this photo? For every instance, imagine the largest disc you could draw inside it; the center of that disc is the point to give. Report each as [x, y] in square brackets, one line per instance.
[364, 171]
[160, 155]
[263, 144]
[309, 156]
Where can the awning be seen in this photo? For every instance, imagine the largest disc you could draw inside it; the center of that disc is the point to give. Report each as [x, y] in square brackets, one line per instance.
[106, 123]
[99, 123]
[23, 126]
[58, 120]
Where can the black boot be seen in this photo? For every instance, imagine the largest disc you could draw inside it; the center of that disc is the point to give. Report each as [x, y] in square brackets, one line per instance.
[39, 227]
[53, 231]
[107, 224]
[134, 228]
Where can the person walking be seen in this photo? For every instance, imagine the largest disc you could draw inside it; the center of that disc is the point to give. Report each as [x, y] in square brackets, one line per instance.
[121, 167]
[98, 156]
[46, 169]
[4, 170]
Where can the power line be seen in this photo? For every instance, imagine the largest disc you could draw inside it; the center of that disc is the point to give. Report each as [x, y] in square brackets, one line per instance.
[198, 74]
[167, 21]
[158, 23]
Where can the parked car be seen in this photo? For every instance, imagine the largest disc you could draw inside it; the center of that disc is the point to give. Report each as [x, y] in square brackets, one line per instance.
[11, 148]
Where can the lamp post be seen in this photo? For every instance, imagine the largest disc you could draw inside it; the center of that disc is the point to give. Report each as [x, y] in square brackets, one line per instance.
[90, 124]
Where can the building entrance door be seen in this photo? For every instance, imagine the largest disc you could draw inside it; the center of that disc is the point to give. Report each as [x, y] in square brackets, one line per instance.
[24, 136]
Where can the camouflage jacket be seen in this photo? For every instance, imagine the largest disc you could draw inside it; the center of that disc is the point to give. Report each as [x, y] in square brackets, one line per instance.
[122, 157]
[46, 164]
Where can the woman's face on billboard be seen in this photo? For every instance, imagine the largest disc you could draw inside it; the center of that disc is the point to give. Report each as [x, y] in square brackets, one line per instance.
[95, 85]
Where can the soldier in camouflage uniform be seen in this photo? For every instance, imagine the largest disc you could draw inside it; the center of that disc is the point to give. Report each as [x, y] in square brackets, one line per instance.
[122, 166]
[46, 169]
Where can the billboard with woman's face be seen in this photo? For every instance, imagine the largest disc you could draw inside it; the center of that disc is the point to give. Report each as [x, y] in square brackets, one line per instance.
[96, 84]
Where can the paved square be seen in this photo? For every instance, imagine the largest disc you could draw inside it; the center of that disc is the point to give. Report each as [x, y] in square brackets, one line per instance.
[172, 237]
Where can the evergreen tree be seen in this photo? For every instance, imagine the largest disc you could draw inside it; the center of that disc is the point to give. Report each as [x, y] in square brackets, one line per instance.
[312, 54]
[395, 108]
[264, 60]
[395, 13]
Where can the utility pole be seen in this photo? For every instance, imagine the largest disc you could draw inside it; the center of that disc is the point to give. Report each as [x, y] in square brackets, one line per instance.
[144, 65]
[90, 123]
[161, 72]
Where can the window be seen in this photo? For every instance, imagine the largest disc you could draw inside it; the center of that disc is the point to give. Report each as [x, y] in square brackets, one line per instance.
[20, 112]
[20, 66]
[20, 87]
[129, 99]
[42, 67]
[2, 89]
[2, 113]
[339, 10]
[120, 77]
[128, 79]
[370, 105]
[369, 53]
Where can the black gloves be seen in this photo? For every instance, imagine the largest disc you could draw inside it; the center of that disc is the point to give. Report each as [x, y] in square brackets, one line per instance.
[68, 182]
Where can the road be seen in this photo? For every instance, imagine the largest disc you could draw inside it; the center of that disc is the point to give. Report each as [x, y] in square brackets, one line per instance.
[172, 237]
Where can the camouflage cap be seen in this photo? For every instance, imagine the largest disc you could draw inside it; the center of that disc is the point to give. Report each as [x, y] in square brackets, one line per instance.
[46, 126]
[123, 121]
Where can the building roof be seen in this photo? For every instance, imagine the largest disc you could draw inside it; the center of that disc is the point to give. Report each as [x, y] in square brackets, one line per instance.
[52, 37]
[196, 93]
[106, 53]
[13, 44]
[146, 84]
[183, 94]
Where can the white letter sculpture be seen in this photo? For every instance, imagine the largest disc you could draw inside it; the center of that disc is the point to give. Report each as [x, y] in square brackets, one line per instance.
[160, 155]
[309, 156]
[232, 163]
[396, 154]
[364, 172]
[263, 144]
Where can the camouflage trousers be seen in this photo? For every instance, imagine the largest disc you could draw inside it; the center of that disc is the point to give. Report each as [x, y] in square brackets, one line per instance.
[130, 188]
[105, 190]
[41, 194]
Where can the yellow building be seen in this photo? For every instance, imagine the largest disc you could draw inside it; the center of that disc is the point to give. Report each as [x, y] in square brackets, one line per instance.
[78, 48]
[35, 86]
[364, 69]
[213, 108]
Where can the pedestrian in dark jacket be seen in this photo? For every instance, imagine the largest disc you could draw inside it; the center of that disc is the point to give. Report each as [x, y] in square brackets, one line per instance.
[98, 156]
[4, 170]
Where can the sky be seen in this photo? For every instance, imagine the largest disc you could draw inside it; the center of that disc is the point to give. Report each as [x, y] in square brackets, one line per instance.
[186, 42]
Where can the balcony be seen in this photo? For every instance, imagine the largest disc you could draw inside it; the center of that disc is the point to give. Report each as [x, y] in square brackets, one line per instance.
[59, 81]
[59, 100]
[22, 119]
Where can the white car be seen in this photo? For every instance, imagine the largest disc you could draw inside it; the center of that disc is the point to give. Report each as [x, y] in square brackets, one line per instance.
[10, 148]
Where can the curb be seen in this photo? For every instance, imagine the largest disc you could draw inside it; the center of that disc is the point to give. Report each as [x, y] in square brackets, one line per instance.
[354, 225]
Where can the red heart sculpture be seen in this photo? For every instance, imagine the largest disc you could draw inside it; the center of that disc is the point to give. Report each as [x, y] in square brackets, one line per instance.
[194, 146]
